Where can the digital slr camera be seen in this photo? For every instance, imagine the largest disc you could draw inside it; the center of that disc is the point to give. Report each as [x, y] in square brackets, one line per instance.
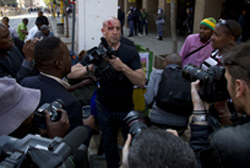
[136, 122]
[213, 82]
[52, 109]
[33, 151]
[103, 70]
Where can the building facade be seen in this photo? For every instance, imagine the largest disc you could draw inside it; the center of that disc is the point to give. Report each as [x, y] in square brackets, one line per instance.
[202, 9]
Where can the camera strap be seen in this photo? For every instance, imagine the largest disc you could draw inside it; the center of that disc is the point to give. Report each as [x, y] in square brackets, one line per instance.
[213, 122]
[198, 49]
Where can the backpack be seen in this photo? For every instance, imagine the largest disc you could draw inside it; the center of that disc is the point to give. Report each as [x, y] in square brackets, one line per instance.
[174, 92]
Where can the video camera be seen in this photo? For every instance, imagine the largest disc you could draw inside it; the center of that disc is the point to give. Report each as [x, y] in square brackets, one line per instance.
[39, 114]
[136, 122]
[33, 151]
[213, 82]
[103, 70]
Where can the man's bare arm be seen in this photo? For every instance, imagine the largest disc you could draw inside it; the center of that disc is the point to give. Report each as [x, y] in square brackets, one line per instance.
[136, 77]
[77, 71]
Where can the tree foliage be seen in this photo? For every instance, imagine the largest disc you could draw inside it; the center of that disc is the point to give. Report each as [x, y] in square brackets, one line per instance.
[47, 2]
[8, 2]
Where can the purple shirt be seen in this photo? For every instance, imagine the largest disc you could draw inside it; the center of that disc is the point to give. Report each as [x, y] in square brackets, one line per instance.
[192, 43]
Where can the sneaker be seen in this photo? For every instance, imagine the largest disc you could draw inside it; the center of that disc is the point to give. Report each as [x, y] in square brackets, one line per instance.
[130, 35]
[160, 38]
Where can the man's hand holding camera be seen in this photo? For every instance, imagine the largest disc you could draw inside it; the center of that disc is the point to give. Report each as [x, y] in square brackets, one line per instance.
[197, 102]
[58, 128]
[200, 107]
[116, 63]
[125, 152]
[136, 77]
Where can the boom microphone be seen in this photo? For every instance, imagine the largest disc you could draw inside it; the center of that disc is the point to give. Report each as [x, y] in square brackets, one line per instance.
[72, 141]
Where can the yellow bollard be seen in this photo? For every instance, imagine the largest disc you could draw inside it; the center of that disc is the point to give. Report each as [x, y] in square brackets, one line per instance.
[54, 8]
[61, 10]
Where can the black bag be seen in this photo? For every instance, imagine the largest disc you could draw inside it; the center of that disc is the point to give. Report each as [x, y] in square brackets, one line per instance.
[174, 93]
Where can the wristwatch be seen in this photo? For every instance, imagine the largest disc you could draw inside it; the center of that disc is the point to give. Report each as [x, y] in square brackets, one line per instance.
[199, 118]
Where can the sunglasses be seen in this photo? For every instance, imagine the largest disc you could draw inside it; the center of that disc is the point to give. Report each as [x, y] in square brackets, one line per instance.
[224, 22]
[236, 64]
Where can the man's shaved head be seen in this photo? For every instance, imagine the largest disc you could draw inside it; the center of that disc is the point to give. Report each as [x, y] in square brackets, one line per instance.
[112, 31]
[173, 58]
[107, 21]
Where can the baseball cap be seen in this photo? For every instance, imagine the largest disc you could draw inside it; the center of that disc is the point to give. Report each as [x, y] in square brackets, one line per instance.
[44, 27]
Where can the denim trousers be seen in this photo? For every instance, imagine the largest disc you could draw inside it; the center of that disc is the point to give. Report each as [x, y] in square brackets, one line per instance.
[131, 27]
[159, 29]
[146, 27]
[109, 123]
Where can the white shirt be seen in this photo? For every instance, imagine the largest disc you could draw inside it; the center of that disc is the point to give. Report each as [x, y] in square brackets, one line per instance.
[32, 33]
[13, 32]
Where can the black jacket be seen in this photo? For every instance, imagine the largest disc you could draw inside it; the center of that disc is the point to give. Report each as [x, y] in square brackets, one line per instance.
[14, 65]
[227, 147]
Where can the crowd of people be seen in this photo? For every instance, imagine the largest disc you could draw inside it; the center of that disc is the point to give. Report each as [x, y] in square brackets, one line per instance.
[40, 30]
[40, 70]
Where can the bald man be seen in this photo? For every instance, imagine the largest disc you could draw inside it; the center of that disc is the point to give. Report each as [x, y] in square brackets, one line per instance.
[160, 117]
[114, 97]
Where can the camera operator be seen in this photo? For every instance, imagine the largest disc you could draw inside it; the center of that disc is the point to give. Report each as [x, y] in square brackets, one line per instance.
[114, 97]
[157, 148]
[16, 113]
[228, 146]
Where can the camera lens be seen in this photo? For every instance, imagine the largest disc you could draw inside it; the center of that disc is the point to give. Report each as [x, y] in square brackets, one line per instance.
[135, 122]
[192, 73]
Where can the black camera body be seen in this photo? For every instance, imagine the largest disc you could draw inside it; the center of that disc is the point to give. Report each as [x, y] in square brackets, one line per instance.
[51, 108]
[135, 122]
[103, 70]
[213, 82]
[34, 151]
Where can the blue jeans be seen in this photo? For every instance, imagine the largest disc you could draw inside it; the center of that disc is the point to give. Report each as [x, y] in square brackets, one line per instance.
[146, 27]
[121, 26]
[159, 29]
[131, 27]
[109, 124]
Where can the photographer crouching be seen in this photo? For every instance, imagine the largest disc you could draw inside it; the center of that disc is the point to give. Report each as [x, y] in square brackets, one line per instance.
[228, 146]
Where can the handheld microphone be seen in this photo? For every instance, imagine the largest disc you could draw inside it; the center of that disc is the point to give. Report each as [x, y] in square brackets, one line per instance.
[104, 43]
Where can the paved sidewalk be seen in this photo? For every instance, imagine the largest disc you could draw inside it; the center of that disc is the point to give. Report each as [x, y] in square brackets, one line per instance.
[157, 47]
[53, 25]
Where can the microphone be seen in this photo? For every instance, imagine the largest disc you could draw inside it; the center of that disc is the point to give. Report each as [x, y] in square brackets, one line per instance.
[104, 43]
[72, 141]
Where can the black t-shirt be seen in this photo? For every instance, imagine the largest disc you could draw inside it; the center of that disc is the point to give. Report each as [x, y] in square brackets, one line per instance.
[126, 41]
[43, 20]
[116, 95]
